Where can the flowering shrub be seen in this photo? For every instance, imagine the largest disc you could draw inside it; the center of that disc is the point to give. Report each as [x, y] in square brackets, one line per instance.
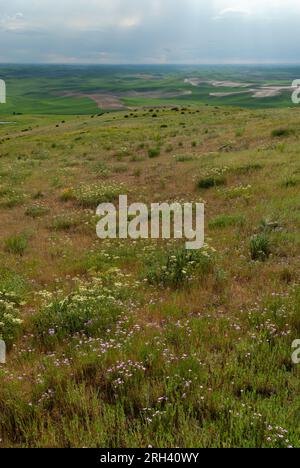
[10, 322]
[66, 222]
[180, 266]
[90, 196]
[92, 309]
[213, 178]
[240, 191]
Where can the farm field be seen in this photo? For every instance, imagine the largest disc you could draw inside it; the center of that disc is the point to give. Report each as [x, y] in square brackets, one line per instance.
[84, 90]
[140, 343]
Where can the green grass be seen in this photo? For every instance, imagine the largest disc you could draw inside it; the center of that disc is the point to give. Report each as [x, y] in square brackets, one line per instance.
[136, 343]
[16, 244]
[37, 211]
[224, 221]
[260, 248]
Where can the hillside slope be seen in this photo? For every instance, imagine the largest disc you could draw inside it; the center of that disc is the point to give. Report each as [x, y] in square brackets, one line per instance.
[134, 343]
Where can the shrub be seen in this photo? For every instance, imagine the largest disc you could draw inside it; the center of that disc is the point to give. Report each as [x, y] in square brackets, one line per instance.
[184, 158]
[291, 182]
[10, 198]
[37, 195]
[177, 267]
[10, 322]
[90, 196]
[153, 152]
[211, 181]
[120, 169]
[101, 169]
[240, 191]
[65, 222]
[67, 195]
[12, 282]
[282, 132]
[260, 247]
[91, 309]
[169, 148]
[16, 244]
[268, 226]
[240, 132]
[36, 211]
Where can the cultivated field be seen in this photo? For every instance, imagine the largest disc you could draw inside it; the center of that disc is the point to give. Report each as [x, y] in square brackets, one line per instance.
[132, 344]
[50, 90]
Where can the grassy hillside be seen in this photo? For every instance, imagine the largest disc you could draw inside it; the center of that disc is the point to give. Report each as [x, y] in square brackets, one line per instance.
[122, 343]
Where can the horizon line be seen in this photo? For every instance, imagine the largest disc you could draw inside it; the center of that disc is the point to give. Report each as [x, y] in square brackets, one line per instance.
[266, 64]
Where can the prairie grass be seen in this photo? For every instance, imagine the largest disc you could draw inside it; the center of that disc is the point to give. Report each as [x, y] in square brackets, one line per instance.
[260, 247]
[133, 343]
[36, 211]
[16, 244]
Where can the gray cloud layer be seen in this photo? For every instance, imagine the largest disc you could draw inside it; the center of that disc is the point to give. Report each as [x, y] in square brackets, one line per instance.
[149, 31]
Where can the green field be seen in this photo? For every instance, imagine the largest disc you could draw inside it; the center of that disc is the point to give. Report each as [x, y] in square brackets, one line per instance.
[37, 89]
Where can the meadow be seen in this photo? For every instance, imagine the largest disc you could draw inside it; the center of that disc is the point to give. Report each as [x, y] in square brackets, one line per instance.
[138, 343]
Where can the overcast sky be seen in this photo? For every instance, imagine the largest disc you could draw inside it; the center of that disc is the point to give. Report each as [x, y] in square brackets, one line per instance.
[150, 31]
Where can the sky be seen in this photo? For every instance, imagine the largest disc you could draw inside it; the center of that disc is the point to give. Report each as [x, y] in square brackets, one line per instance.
[150, 31]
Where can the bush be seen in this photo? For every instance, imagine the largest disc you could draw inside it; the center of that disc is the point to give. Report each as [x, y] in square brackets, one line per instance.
[10, 198]
[65, 222]
[184, 158]
[10, 322]
[282, 132]
[36, 211]
[177, 267]
[90, 196]
[153, 152]
[211, 181]
[291, 182]
[101, 169]
[91, 309]
[12, 282]
[260, 247]
[16, 244]
[169, 148]
[67, 195]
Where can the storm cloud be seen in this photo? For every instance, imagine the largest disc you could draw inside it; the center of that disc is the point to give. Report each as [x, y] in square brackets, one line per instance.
[149, 31]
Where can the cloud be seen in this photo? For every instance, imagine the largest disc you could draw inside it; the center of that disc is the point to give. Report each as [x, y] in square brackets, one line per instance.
[129, 21]
[12, 23]
[141, 31]
[232, 11]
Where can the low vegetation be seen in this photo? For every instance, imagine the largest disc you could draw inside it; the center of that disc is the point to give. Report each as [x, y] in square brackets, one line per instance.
[121, 343]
